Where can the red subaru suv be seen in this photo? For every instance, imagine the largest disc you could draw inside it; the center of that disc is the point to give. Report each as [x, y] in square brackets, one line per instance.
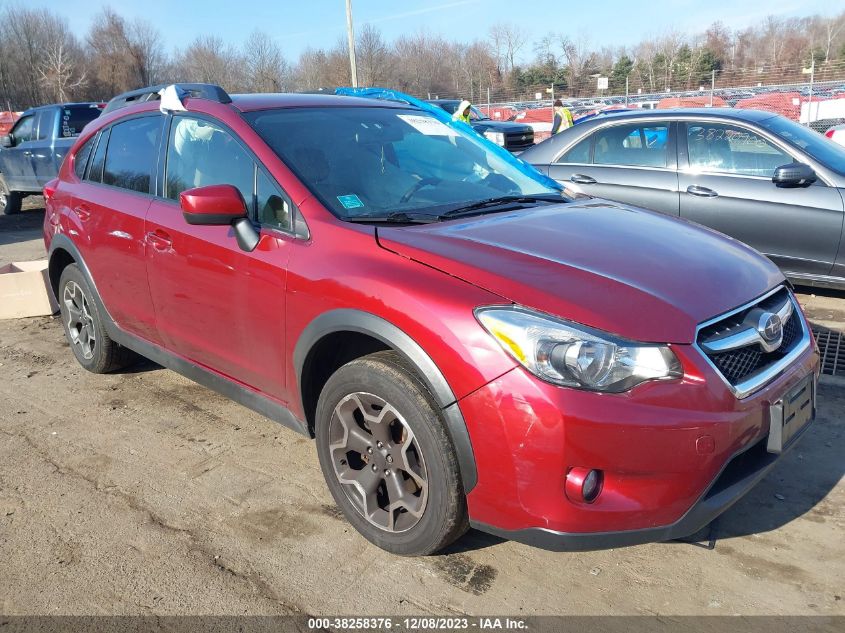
[467, 345]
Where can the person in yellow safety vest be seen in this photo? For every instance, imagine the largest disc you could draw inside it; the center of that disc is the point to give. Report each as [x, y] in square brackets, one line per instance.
[462, 113]
[562, 119]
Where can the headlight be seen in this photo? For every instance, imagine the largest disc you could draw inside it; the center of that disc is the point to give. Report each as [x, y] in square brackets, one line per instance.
[573, 355]
[497, 137]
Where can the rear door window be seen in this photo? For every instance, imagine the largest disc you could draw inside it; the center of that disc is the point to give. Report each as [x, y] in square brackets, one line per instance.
[76, 117]
[132, 152]
[635, 145]
[44, 125]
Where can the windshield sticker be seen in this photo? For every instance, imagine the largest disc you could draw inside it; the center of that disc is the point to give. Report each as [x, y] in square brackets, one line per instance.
[428, 125]
[350, 201]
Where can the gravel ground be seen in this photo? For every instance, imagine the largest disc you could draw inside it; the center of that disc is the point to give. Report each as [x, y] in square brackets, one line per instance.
[143, 493]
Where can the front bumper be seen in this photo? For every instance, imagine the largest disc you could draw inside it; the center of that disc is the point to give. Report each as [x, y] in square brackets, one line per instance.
[737, 478]
[675, 455]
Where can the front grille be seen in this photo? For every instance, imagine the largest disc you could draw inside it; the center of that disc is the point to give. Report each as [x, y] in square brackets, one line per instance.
[515, 140]
[741, 363]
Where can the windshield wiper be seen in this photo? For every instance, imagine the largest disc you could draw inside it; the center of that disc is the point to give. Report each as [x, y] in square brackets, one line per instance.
[400, 217]
[500, 201]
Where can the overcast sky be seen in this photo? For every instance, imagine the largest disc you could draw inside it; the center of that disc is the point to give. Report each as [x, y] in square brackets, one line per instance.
[319, 23]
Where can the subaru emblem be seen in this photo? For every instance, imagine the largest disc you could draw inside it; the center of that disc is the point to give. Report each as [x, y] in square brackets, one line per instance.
[770, 329]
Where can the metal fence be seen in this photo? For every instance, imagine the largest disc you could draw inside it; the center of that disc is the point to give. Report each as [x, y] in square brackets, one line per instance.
[812, 94]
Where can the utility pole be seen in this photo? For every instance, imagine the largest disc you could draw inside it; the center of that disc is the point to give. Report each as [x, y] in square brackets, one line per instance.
[812, 77]
[712, 85]
[351, 36]
[626, 91]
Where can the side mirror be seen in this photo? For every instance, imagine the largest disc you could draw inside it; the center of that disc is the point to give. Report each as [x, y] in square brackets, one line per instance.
[7, 140]
[220, 205]
[794, 175]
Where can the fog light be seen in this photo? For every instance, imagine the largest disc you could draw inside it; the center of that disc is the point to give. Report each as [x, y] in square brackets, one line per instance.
[583, 485]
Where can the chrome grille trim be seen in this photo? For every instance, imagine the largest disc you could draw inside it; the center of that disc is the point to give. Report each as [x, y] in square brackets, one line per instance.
[745, 334]
[764, 376]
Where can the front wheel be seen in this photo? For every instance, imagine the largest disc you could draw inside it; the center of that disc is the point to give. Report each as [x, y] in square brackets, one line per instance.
[387, 458]
[10, 201]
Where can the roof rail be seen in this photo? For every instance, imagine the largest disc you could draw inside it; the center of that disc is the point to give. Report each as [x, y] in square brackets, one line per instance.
[212, 92]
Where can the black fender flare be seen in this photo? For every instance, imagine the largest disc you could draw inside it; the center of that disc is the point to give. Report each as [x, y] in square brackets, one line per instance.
[352, 320]
[63, 242]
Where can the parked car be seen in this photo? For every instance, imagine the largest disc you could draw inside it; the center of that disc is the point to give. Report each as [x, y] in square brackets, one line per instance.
[514, 137]
[31, 153]
[755, 176]
[837, 134]
[466, 345]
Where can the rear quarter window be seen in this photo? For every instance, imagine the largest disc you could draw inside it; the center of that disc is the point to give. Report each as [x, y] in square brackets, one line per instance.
[80, 159]
[95, 174]
[74, 118]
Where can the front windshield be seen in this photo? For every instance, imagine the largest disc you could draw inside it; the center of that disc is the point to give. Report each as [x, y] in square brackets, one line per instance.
[477, 115]
[376, 161]
[830, 154]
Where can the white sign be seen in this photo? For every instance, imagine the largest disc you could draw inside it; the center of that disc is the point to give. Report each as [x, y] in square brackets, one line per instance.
[428, 125]
[538, 95]
[601, 83]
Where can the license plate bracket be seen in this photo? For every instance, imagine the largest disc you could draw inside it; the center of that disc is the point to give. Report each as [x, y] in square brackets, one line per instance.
[791, 413]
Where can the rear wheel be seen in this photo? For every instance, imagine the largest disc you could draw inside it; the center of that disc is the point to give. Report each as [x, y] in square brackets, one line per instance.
[84, 327]
[10, 201]
[387, 458]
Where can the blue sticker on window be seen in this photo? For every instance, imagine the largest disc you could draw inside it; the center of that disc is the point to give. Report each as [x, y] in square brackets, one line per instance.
[350, 201]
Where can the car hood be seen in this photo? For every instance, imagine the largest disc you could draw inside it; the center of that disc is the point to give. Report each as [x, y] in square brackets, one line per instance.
[635, 273]
[503, 126]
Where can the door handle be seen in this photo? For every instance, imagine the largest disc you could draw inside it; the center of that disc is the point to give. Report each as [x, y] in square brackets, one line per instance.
[26, 152]
[159, 240]
[702, 192]
[82, 212]
[581, 179]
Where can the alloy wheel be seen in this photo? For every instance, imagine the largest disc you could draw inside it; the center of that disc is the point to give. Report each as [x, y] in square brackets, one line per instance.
[378, 460]
[80, 323]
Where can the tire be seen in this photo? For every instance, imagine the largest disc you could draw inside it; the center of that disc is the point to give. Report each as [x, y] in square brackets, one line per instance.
[84, 327]
[10, 201]
[418, 506]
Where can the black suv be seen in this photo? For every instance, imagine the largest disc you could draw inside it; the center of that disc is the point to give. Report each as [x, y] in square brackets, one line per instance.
[514, 137]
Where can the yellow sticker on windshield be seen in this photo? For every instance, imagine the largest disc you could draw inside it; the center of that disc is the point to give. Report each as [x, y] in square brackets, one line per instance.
[428, 125]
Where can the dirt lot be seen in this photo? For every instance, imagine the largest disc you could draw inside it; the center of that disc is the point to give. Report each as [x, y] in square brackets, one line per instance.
[143, 493]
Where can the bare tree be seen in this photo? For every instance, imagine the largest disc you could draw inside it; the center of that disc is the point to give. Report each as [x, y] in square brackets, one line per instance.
[209, 60]
[773, 38]
[60, 71]
[318, 68]
[579, 59]
[669, 46]
[833, 27]
[266, 69]
[145, 50]
[373, 57]
[25, 36]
